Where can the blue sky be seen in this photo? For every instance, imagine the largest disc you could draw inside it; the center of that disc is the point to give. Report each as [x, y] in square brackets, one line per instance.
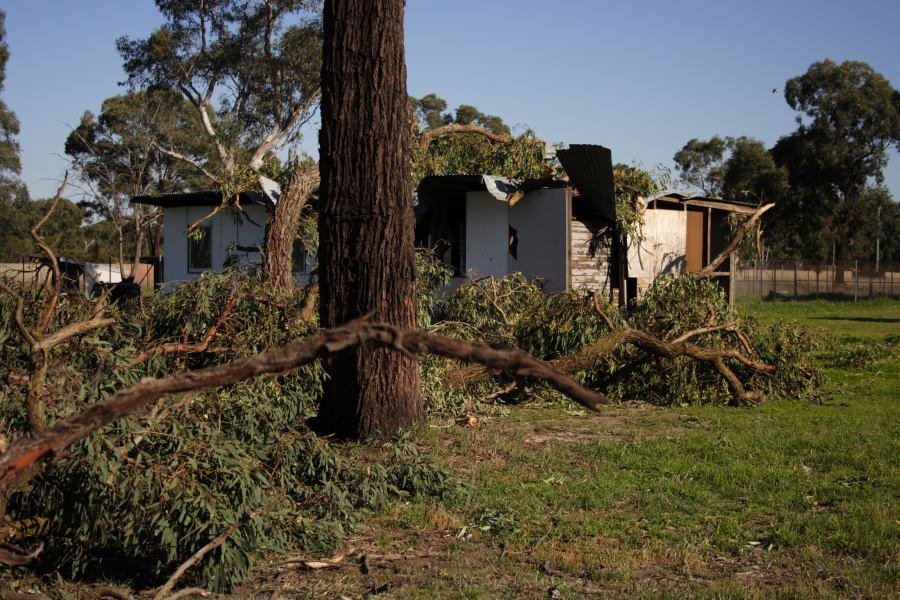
[639, 77]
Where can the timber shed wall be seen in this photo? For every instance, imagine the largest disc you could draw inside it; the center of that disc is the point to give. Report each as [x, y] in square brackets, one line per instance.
[589, 273]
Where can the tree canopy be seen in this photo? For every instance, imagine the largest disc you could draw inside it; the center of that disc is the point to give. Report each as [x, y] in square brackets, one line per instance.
[250, 70]
[9, 124]
[849, 119]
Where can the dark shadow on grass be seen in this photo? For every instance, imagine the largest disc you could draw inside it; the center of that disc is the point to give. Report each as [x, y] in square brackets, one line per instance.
[829, 297]
[858, 319]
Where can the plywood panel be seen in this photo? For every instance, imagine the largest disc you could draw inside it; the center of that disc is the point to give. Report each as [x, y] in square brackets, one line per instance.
[694, 243]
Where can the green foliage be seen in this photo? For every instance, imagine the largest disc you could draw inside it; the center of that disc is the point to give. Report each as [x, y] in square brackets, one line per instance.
[144, 493]
[10, 163]
[471, 153]
[701, 164]
[514, 312]
[848, 121]
[632, 182]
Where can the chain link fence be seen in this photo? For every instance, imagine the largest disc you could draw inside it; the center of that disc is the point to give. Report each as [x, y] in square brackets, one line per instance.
[807, 279]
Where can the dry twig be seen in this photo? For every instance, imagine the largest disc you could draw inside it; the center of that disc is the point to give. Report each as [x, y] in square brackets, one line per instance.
[185, 347]
[168, 585]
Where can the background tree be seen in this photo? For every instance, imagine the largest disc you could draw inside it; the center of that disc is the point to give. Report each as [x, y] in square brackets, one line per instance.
[849, 119]
[750, 173]
[250, 69]
[701, 164]
[9, 124]
[430, 110]
[116, 156]
[366, 254]
[13, 192]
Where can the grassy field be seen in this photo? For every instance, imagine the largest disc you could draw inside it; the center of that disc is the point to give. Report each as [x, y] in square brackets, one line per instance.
[791, 499]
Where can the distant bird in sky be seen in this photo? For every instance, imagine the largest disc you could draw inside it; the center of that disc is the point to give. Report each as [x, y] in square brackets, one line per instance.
[774, 90]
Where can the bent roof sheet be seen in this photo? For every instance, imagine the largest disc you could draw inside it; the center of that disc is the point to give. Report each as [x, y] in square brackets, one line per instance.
[589, 167]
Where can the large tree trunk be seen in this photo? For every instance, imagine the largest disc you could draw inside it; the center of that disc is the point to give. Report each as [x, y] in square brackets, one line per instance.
[277, 260]
[366, 254]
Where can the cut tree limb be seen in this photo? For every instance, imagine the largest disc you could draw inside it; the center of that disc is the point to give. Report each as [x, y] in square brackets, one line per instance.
[26, 454]
[710, 269]
[590, 355]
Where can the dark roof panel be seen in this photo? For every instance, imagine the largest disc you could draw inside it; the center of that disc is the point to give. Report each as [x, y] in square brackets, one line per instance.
[589, 168]
[204, 198]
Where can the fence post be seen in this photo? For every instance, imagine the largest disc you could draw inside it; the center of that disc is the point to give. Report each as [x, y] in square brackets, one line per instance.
[817, 281]
[856, 280]
[795, 280]
[774, 279]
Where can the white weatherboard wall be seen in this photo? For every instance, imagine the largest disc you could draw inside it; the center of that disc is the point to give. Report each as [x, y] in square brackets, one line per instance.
[663, 247]
[487, 226]
[228, 227]
[541, 221]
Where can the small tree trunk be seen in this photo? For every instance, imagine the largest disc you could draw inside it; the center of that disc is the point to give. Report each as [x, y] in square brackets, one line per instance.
[366, 254]
[138, 242]
[277, 259]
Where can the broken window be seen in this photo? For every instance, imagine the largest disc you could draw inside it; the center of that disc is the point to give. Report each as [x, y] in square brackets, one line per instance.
[200, 249]
[513, 241]
[441, 228]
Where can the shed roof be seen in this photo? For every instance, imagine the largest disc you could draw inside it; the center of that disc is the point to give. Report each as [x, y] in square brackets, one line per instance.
[202, 198]
[687, 198]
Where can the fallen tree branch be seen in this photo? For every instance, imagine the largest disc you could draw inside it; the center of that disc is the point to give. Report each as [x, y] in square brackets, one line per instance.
[432, 134]
[590, 355]
[199, 346]
[21, 458]
[220, 539]
[709, 269]
[16, 560]
[708, 329]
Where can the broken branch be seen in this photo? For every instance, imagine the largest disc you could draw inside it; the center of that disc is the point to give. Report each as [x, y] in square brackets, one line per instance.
[22, 456]
[709, 269]
[199, 346]
[432, 134]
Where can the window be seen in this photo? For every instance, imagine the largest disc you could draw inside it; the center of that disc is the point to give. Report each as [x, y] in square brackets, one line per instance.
[200, 249]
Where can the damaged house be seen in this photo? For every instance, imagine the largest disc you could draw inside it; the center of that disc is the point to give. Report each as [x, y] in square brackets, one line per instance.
[564, 231]
[560, 231]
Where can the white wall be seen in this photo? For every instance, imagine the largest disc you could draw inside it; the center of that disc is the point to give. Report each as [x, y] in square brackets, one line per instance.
[541, 220]
[487, 226]
[663, 247]
[228, 227]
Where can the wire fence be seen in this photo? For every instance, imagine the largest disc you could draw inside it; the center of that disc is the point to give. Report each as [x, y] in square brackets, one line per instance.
[806, 279]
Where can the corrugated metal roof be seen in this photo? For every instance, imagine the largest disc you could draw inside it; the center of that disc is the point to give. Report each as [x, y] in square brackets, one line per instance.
[589, 167]
[691, 199]
[202, 198]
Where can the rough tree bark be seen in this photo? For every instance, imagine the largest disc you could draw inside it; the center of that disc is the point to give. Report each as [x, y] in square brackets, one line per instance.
[366, 253]
[283, 226]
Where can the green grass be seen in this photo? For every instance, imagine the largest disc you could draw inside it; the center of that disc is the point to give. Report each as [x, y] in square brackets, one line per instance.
[790, 499]
[870, 318]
